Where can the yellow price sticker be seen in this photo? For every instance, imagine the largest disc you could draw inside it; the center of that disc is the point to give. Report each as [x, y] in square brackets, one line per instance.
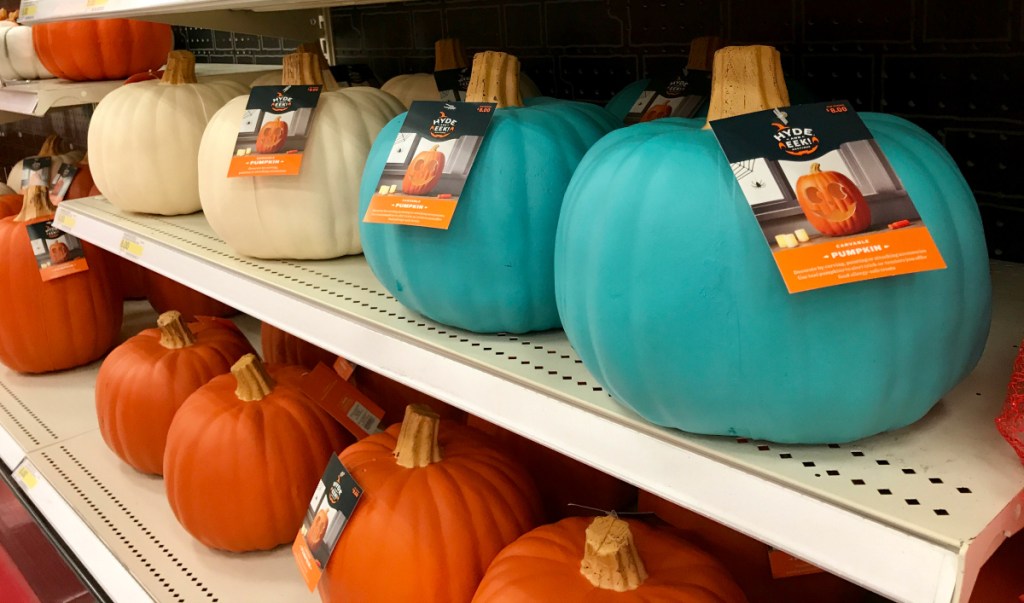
[27, 477]
[132, 246]
[28, 11]
[95, 3]
[65, 219]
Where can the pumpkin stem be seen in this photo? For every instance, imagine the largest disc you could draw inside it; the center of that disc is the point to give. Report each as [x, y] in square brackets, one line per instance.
[181, 68]
[314, 48]
[14, 15]
[174, 333]
[815, 168]
[702, 53]
[417, 440]
[51, 146]
[36, 205]
[302, 69]
[449, 54]
[3, 14]
[254, 382]
[610, 559]
[746, 79]
[495, 79]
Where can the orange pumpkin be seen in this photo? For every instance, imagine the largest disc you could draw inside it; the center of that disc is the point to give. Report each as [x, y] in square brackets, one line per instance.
[272, 136]
[243, 455]
[59, 253]
[57, 324]
[424, 172]
[605, 560]
[129, 277]
[439, 503]
[144, 381]
[280, 347]
[560, 479]
[82, 184]
[10, 205]
[657, 112]
[167, 294]
[101, 49]
[317, 530]
[832, 203]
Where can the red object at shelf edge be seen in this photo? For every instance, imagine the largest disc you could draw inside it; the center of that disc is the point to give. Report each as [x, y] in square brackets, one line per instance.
[1011, 421]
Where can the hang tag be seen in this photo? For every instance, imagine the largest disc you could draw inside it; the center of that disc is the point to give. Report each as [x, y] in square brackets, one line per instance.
[344, 368]
[829, 204]
[349, 406]
[680, 96]
[62, 182]
[429, 164]
[35, 171]
[333, 502]
[57, 253]
[357, 74]
[274, 129]
[784, 565]
[452, 84]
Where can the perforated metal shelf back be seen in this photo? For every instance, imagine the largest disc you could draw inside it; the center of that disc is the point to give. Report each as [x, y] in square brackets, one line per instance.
[944, 478]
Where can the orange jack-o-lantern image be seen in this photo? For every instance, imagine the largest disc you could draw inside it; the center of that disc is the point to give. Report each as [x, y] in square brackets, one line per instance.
[59, 253]
[424, 172]
[272, 136]
[657, 112]
[832, 203]
[317, 530]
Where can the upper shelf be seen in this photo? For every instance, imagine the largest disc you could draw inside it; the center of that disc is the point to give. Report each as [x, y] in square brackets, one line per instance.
[910, 514]
[19, 100]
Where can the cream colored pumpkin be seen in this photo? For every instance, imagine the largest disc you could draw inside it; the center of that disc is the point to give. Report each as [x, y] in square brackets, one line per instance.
[18, 60]
[313, 215]
[51, 148]
[144, 138]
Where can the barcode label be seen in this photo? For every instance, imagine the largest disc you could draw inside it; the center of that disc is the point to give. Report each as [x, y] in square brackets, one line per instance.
[362, 417]
[65, 219]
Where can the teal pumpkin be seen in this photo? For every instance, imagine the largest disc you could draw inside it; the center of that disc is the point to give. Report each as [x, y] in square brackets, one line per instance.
[671, 297]
[492, 270]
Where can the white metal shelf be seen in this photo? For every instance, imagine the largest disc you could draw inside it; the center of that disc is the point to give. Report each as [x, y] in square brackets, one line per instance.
[19, 100]
[114, 519]
[912, 514]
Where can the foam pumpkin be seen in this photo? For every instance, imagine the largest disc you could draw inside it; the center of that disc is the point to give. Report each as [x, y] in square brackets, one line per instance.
[10, 204]
[243, 453]
[448, 54]
[319, 220]
[281, 347]
[447, 501]
[832, 203]
[748, 359]
[82, 184]
[166, 294]
[18, 60]
[163, 178]
[53, 146]
[102, 49]
[77, 317]
[605, 560]
[142, 382]
[492, 269]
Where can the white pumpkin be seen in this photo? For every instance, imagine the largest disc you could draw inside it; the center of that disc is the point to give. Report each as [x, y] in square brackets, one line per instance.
[144, 138]
[18, 60]
[50, 148]
[315, 214]
[448, 54]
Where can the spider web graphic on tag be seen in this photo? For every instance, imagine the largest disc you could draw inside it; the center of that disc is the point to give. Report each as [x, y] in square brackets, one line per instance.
[1011, 421]
[742, 169]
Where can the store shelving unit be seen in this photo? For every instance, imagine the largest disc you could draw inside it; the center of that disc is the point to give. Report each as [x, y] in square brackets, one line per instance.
[115, 520]
[911, 514]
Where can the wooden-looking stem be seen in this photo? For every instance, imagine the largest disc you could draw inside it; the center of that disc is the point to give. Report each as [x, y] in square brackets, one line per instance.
[181, 68]
[610, 559]
[3, 14]
[702, 53]
[254, 382]
[174, 333]
[302, 69]
[495, 79]
[14, 15]
[417, 441]
[746, 79]
[36, 205]
[314, 48]
[51, 146]
[449, 54]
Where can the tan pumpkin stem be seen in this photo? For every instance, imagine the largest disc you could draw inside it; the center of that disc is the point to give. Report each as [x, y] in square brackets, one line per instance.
[417, 441]
[3, 14]
[702, 53]
[36, 205]
[254, 382]
[746, 79]
[302, 69]
[495, 79]
[181, 68]
[815, 168]
[449, 54]
[174, 333]
[314, 48]
[51, 146]
[14, 15]
[610, 559]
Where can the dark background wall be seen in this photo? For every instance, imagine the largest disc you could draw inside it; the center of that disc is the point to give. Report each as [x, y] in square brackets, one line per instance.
[954, 67]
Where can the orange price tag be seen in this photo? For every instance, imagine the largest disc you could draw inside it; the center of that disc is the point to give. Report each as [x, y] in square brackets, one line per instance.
[349, 406]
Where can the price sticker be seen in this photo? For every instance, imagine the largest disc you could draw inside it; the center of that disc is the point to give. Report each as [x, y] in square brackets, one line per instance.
[132, 246]
[95, 4]
[28, 11]
[65, 219]
[26, 474]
